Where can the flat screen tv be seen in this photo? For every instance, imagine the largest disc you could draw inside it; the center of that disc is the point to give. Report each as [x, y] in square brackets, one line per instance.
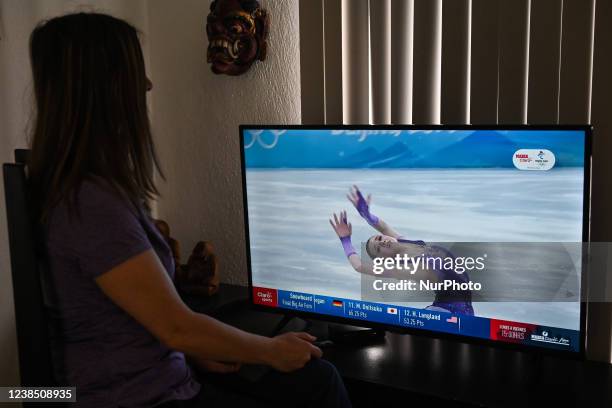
[468, 232]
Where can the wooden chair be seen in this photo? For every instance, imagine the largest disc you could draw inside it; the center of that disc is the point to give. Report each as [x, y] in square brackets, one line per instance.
[27, 268]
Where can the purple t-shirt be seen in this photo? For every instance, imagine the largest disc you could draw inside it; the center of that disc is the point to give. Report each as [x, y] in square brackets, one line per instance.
[111, 358]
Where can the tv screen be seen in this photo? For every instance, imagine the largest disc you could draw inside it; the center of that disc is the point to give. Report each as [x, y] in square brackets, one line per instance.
[471, 232]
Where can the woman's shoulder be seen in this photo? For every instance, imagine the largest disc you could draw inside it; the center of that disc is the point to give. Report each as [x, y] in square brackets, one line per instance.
[92, 191]
[93, 201]
[100, 230]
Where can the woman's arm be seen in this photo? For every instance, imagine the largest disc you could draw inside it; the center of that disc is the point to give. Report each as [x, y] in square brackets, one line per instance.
[142, 288]
[363, 208]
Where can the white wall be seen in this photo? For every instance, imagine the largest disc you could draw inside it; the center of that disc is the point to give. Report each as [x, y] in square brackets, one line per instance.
[17, 19]
[196, 116]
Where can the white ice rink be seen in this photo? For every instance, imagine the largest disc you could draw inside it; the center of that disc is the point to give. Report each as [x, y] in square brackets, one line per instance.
[293, 247]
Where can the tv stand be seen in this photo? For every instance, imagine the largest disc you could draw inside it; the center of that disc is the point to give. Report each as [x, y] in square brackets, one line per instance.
[284, 325]
[433, 371]
[336, 333]
[354, 335]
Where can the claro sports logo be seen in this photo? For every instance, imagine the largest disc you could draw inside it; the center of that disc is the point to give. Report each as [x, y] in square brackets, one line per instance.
[533, 159]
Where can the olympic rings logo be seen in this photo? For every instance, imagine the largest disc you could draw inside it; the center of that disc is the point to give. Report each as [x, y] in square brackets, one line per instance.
[257, 136]
[270, 140]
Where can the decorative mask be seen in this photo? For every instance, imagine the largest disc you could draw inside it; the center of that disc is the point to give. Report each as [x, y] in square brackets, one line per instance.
[237, 31]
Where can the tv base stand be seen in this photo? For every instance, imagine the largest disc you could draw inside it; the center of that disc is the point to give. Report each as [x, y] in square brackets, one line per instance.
[354, 335]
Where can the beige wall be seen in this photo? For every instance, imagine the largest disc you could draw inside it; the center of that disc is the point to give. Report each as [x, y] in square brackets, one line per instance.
[17, 19]
[196, 116]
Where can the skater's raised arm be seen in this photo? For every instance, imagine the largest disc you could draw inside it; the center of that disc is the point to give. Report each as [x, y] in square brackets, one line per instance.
[344, 230]
[362, 205]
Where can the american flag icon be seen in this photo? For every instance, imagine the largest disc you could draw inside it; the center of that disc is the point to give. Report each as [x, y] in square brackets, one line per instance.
[453, 319]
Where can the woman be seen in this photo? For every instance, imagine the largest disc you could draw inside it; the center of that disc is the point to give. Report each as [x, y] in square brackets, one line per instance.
[390, 243]
[121, 330]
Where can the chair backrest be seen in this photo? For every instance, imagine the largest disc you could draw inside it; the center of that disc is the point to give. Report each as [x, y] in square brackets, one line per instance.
[22, 156]
[35, 362]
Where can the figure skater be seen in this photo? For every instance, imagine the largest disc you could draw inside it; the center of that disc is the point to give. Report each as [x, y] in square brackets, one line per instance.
[389, 243]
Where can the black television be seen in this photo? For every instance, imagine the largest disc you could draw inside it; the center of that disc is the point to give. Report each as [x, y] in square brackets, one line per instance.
[514, 199]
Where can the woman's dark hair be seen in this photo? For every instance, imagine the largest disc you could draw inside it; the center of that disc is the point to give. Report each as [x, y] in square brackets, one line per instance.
[91, 112]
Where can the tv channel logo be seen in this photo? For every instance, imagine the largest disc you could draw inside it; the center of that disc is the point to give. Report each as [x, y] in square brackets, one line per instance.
[533, 159]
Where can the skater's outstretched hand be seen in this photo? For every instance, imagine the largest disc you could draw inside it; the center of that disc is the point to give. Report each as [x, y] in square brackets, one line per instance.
[362, 205]
[341, 225]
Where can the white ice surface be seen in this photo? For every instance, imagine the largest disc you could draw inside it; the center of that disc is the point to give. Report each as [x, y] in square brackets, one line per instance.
[293, 247]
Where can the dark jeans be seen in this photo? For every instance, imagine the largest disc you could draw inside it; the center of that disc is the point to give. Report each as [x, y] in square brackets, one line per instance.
[318, 384]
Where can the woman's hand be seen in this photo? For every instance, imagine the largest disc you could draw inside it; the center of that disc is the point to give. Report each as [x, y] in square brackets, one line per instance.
[362, 205]
[342, 227]
[291, 351]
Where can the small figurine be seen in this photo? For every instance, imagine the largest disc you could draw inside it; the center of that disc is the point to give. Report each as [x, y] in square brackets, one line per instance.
[200, 275]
